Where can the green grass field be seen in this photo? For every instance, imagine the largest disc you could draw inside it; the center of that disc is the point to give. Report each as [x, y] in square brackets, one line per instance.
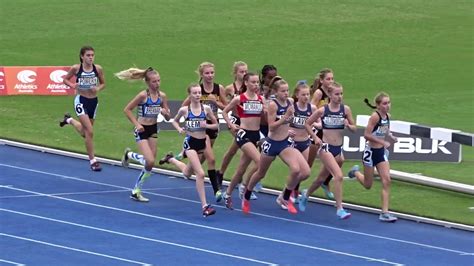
[420, 52]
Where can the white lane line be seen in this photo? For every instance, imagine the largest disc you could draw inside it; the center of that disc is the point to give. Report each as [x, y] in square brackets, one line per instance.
[89, 192]
[211, 228]
[253, 213]
[12, 262]
[137, 237]
[75, 249]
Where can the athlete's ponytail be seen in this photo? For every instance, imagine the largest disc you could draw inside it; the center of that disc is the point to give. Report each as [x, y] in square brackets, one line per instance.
[366, 101]
[135, 73]
[377, 99]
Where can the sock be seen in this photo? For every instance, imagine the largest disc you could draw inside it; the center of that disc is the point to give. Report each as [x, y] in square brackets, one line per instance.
[286, 194]
[93, 161]
[214, 181]
[296, 190]
[137, 157]
[247, 194]
[69, 120]
[142, 177]
[220, 177]
[328, 179]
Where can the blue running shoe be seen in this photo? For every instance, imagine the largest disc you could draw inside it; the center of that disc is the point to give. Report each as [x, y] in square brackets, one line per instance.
[353, 170]
[343, 215]
[258, 187]
[303, 200]
[387, 217]
[328, 193]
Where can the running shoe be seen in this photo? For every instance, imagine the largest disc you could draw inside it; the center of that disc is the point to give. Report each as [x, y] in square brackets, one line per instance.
[218, 196]
[166, 159]
[64, 122]
[253, 196]
[138, 197]
[352, 172]
[303, 200]
[387, 217]
[208, 210]
[125, 158]
[343, 215]
[327, 192]
[96, 167]
[245, 206]
[258, 187]
[286, 205]
[227, 201]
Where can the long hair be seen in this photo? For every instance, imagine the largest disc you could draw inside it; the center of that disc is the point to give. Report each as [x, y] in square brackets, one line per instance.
[134, 73]
[377, 99]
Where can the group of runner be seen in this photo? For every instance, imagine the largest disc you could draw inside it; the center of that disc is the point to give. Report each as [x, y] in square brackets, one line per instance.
[265, 120]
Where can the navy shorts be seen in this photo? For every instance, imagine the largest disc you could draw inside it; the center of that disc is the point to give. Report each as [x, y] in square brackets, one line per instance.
[191, 143]
[264, 130]
[371, 156]
[151, 131]
[244, 136]
[334, 150]
[273, 147]
[86, 106]
[302, 145]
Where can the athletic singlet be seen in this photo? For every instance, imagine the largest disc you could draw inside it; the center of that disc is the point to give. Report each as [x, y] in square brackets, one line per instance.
[250, 108]
[333, 120]
[281, 110]
[382, 128]
[215, 92]
[87, 80]
[300, 117]
[324, 99]
[236, 90]
[149, 109]
[193, 122]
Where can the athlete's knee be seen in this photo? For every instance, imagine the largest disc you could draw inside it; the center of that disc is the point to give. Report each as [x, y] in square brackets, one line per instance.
[338, 177]
[199, 174]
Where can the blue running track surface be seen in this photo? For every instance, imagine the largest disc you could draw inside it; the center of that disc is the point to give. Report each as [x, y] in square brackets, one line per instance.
[55, 211]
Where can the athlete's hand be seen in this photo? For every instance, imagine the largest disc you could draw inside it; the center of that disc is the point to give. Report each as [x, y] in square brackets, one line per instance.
[386, 144]
[234, 128]
[181, 130]
[139, 128]
[291, 133]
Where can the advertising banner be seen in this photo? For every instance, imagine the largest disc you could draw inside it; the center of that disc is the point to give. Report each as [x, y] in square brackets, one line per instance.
[34, 80]
[408, 147]
[3, 86]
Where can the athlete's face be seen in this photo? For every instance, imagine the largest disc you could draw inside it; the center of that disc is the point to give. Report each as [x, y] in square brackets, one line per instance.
[253, 83]
[154, 81]
[303, 95]
[208, 74]
[195, 94]
[384, 105]
[241, 71]
[327, 80]
[336, 95]
[282, 92]
[88, 57]
[270, 75]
